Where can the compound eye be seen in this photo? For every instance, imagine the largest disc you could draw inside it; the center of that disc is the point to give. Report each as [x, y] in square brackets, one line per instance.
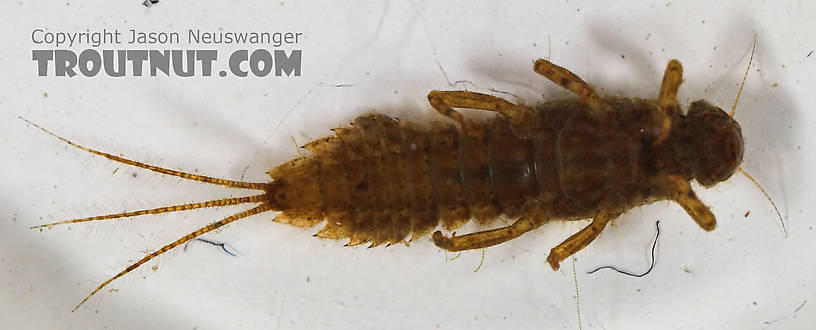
[732, 149]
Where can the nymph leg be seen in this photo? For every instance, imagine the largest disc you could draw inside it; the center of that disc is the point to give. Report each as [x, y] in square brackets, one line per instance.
[579, 240]
[572, 83]
[485, 238]
[680, 191]
[667, 100]
[445, 101]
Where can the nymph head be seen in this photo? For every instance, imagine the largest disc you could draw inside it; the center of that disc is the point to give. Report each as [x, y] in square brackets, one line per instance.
[717, 142]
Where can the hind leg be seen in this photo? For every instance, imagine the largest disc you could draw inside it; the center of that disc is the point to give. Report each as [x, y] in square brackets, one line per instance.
[485, 238]
[579, 240]
[444, 102]
[572, 83]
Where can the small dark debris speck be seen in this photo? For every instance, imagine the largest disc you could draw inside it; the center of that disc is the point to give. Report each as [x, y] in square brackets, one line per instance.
[148, 3]
[811, 53]
[800, 306]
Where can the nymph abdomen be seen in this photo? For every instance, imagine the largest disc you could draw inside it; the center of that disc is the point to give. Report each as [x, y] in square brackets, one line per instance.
[381, 180]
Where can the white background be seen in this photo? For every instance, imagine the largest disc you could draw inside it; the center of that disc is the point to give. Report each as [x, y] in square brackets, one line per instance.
[744, 275]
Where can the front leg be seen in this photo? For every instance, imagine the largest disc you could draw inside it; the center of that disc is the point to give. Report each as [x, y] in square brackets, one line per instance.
[579, 240]
[667, 100]
[672, 78]
[679, 190]
[485, 238]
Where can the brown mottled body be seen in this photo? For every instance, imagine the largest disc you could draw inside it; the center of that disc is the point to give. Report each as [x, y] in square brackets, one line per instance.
[381, 180]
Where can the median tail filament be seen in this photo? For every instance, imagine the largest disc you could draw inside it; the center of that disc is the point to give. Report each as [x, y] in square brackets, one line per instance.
[166, 209]
[262, 199]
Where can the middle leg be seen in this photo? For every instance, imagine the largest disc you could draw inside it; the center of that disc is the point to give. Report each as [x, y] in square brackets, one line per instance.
[579, 240]
[571, 82]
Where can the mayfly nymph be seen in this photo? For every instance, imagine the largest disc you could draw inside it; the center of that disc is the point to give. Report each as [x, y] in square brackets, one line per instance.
[382, 180]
